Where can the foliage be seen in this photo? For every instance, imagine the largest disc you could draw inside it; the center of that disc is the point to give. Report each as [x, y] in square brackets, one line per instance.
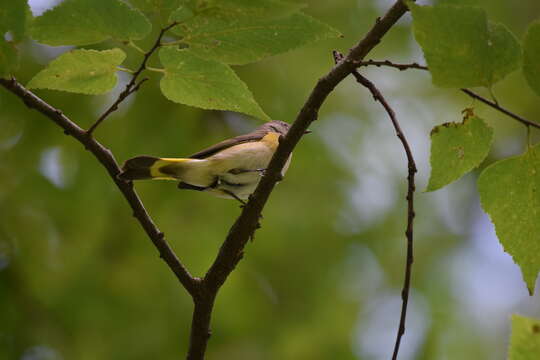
[83, 22]
[13, 20]
[461, 48]
[510, 194]
[77, 268]
[9, 58]
[81, 71]
[232, 32]
[531, 66]
[13, 17]
[457, 148]
[462, 51]
[525, 340]
[207, 84]
[241, 39]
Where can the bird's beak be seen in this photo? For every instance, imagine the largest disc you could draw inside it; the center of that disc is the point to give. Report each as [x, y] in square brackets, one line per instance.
[307, 132]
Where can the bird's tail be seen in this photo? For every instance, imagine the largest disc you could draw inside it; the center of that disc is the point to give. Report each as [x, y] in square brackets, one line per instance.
[149, 167]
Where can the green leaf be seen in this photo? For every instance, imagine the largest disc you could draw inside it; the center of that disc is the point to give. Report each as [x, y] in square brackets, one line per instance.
[156, 5]
[9, 58]
[261, 9]
[182, 14]
[531, 62]
[505, 52]
[81, 71]
[204, 83]
[525, 339]
[241, 40]
[163, 8]
[13, 17]
[454, 41]
[458, 2]
[510, 194]
[83, 22]
[456, 149]
[461, 49]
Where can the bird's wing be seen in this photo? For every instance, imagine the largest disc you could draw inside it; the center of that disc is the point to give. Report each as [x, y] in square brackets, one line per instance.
[255, 135]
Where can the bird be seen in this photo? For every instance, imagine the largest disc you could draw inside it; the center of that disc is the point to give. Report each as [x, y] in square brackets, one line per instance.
[229, 169]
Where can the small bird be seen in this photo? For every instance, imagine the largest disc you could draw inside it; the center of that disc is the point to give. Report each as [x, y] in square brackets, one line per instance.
[229, 169]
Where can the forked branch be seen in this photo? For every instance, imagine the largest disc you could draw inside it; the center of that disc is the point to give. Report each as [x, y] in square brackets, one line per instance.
[247, 223]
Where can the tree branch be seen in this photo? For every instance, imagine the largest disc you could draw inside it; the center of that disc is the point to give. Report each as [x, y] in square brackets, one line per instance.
[470, 93]
[133, 85]
[244, 227]
[247, 223]
[106, 158]
[411, 165]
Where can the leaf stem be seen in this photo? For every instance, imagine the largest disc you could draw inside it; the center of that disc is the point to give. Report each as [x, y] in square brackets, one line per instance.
[492, 94]
[172, 43]
[123, 69]
[134, 46]
[160, 70]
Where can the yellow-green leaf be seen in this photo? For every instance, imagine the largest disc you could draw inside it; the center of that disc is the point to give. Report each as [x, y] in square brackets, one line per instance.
[504, 54]
[83, 22]
[207, 84]
[456, 149]
[262, 9]
[13, 17]
[243, 39]
[461, 48]
[9, 58]
[182, 13]
[163, 8]
[81, 71]
[531, 61]
[525, 339]
[510, 194]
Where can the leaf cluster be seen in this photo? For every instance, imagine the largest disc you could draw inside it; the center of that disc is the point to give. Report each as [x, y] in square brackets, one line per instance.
[207, 38]
[464, 49]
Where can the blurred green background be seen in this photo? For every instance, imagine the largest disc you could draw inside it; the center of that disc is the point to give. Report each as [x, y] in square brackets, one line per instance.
[80, 280]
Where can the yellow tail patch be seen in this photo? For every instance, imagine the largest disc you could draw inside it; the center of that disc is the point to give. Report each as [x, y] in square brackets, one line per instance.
[155, 169]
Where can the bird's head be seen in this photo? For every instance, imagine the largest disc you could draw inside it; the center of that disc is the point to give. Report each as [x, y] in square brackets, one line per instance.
[279, 126]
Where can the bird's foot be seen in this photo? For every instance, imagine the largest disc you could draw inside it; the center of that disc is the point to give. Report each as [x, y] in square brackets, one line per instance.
[233, 195]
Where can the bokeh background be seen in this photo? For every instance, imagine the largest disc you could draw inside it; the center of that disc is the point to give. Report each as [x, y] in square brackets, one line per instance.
[80, 280]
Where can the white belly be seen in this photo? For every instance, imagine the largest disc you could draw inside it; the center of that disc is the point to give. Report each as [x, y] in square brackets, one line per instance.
[251, 157]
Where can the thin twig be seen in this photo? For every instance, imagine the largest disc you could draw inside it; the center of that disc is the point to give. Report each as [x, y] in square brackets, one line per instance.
[411, 165]
[106, 158]
[133, 85]
[501, 109]
[494, 104]
[388, 63]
